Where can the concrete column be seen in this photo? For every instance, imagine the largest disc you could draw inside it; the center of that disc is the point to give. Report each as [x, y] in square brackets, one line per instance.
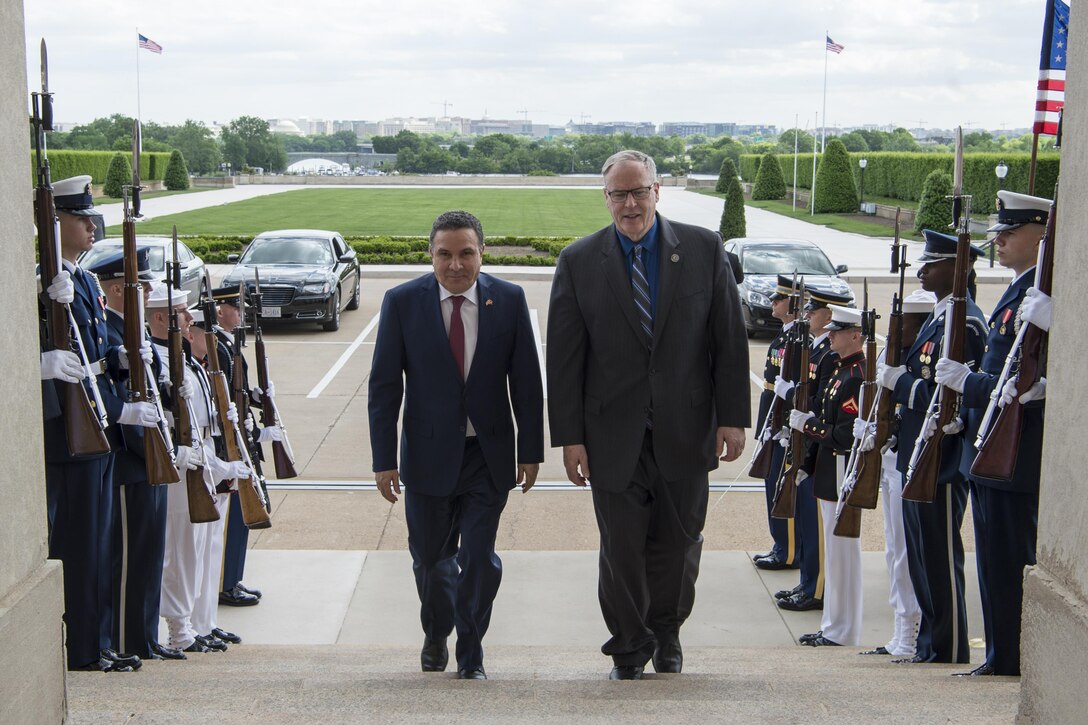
[1054, 646]
[31, 650]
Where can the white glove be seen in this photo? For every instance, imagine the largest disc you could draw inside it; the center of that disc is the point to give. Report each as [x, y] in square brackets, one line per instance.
[249, 424]
[1035, 392]
[238, 469]
[954, 427]
[798, 419]
[61, 365]
[271, 433]
[145, 353]
[62, 290]
[866, 434]
[889, 444]
[196, 457]
[185, 390]
[782, 387]
[183, 459]
[951, 374]
[232, 413]
[887, 375]
[1037, 308]
[258, 393]
[765, 434]
[144, 415]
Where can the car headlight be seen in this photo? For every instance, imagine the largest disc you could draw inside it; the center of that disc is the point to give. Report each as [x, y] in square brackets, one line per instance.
[758, 298]
[318, 288]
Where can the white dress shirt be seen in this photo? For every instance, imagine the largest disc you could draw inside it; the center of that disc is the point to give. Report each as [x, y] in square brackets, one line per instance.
[470, 318]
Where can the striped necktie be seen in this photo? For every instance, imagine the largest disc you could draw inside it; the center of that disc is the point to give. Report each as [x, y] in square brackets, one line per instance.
[640, 287]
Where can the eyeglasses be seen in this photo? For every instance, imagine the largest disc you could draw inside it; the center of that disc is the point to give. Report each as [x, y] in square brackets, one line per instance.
[640, 194]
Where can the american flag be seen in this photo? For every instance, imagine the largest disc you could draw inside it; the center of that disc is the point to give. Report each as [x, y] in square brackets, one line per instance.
[149, 44]
[833, 46]
[1050, 96]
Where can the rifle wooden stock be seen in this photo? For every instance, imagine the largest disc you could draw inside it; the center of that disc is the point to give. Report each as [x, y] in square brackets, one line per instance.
[201, 502]
[270, 415]
[848, 522]
[867, 478]
[761, 462]
[785, 500]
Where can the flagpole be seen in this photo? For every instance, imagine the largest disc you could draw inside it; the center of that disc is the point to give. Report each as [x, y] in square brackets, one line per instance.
[139, 116]
[823, 131]
[795, 135]
[1031, 168]
[813, 189]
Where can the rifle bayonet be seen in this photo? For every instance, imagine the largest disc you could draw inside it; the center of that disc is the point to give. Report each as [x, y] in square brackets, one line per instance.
[957, 180]
[136, 147]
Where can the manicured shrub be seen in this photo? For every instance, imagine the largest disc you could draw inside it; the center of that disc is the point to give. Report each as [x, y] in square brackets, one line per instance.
[935, 208]
[118, 176]
[177, 173]
[733, 222]
[769, 183]
[835, 189]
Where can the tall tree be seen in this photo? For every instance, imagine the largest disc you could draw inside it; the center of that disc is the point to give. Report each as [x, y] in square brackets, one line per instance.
[248, 142]
[733, 223]
[195, 142]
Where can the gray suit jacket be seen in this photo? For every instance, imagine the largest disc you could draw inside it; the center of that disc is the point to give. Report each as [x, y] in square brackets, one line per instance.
[603, 378]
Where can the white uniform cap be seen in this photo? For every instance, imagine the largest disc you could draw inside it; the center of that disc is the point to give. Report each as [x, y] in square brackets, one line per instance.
[919, 302]
[159, 297]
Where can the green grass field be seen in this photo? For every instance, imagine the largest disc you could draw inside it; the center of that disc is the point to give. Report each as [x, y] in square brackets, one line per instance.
[537, 212]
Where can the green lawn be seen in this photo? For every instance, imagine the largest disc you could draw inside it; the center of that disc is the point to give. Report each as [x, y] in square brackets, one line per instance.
[841, 222]
[538, 212]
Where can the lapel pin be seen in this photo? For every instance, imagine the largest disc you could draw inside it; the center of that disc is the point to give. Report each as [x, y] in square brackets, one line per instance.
[675, 258]
[488, 303]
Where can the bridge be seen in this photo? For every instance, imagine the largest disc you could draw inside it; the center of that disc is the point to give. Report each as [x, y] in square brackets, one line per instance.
[352, 158]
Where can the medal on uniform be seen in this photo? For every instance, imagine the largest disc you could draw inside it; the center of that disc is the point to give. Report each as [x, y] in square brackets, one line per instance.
[925, 373]
[1005, 320]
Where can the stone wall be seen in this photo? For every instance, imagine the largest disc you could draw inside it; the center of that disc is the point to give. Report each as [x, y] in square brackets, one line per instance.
[31, 652]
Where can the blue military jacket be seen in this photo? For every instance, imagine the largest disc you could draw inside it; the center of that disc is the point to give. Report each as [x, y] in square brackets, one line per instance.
[1004, 325]
[914, 390]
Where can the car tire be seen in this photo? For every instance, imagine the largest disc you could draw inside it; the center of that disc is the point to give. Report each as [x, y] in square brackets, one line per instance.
[747, 315]
[334, 324]
[355, 299]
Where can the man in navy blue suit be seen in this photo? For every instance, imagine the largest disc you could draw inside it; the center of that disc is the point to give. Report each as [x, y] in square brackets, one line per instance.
[458, 347]
[1006, 513]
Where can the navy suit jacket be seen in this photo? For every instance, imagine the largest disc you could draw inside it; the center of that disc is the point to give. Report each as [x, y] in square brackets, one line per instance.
[979, 386]
[412, 359]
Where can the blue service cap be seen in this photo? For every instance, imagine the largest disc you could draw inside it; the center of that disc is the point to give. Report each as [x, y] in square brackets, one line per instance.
[112, 266]
[73, 196]
[942, 246]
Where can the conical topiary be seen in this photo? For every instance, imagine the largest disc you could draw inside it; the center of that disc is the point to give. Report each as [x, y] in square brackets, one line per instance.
[769, 182]
[836, 192]
[727, 171]
[177, 173]
[733, 223]
[935, 206]
[119, 174]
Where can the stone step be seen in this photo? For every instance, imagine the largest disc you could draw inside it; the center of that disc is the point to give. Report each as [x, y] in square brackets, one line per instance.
[348, 683]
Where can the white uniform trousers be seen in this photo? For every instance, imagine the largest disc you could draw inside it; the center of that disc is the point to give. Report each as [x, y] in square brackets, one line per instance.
[842, 582]
[183, 567]
[908, 615]
[207, 599]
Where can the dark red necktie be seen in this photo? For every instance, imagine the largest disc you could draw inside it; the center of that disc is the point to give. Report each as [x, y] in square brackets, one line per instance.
[457, 334]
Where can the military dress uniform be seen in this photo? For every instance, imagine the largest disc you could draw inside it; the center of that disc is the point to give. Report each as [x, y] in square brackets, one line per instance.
[831, 428]
[1006, 513]
[932, 530]
[79, 492]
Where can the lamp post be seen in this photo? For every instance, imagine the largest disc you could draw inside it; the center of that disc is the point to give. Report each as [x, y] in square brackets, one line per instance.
[1001, 171]
[863, 162]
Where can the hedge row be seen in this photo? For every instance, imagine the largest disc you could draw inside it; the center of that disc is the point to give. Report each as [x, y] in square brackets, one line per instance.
[65, 164]
[901, 175]
[391, 250]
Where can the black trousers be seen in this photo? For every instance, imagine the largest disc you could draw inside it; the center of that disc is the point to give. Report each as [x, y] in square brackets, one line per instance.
[651, 544]
[139, 544]
[784, 546]
[452, 541]
[808, 528]
[1006, 529]
[935, 561]
[234, 549]
[79, 498]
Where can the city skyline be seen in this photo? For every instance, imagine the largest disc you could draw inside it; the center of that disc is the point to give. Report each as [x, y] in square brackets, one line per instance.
[932, 64]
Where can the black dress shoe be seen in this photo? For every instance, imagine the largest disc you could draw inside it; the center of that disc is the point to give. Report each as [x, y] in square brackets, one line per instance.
[162, 652]
[915, 660]
[983, 670]
[226, 636]
[237, 597]
[213, 643]
[770, 563]
[471, 673]
[876, 651]
[124, 660]
[102, 664]
[787, 593]
[808, 637]
[669, 656]
[768, 555]
[821, 641]
[434, 655]
[248, 590]
[197, 646]
[800, 602]
[626, 672]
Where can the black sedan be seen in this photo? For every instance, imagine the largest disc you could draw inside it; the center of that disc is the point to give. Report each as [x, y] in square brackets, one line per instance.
[764, 259]
[306, 275]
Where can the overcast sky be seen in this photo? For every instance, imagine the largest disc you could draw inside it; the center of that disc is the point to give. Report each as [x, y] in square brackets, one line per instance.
[934, 63]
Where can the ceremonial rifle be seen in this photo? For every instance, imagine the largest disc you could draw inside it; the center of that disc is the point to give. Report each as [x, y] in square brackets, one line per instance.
[944, 408]
[282, 455]
[142, 385]
[201, 500]
[866, 481]
[84, 420]
[785, 498]
[761, 458]
[893, 347]
[253, 493]
[998, 445]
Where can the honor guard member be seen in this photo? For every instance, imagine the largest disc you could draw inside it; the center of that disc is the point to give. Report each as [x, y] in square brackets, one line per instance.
[79, 489]
[232, 592]
[192, 564]
[934, 546]
[908, 617]
[1006, 512]
[139, 508]
[783, 553]
[809, 592]
[831, 427]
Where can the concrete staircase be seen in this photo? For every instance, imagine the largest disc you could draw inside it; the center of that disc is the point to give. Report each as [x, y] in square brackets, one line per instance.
[354, 684]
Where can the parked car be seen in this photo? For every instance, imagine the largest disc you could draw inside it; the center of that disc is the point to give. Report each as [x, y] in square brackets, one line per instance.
[194, 273]
[764, 259]
[306, 275]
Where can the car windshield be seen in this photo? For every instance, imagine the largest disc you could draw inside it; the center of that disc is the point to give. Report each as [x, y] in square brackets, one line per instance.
[287, 250]
[786, 260]
[102, 250]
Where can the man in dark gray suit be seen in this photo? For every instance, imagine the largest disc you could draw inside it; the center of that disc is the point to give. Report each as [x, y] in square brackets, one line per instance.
[648, 380]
